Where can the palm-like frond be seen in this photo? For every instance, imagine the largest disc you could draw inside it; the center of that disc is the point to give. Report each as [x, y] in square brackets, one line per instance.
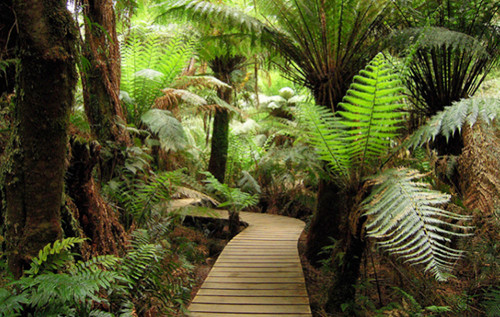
[169, 130]
[452, 118]
[220, 15]
[325, 42]
[455, 44]
[372, 111]
[326, 135]
[402, 214]
[149, 65]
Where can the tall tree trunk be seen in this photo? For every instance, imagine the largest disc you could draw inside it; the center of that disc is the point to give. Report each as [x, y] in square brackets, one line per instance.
[36, 155]
[223, 67]
[328, 221]
[101, 80]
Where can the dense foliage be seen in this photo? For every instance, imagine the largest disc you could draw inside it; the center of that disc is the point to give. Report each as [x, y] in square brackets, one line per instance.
[364, 98]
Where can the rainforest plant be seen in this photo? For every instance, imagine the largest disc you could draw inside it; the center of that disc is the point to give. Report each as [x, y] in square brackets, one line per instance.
[354, 143]
[455, 45]
[233, 198]
[149, 65]
[56, 285]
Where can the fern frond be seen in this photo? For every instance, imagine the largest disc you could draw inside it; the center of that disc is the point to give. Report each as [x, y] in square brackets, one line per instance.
[403, 216]
[169, 130]
[437, 37]
[327, 136]
[149, 65]
[233, 198]
[201, 12]
[12, 304]
[200, 82]
[372, 111]
[140, 261]
[452, 118]
[53, 256]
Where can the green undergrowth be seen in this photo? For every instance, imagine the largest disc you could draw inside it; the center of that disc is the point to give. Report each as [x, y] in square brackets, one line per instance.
[156, 276]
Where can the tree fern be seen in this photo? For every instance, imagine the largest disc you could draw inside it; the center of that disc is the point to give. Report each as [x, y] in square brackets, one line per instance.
[169, 130]
[372, 111]
[403, 215]
[452, 118]
[149, 65]
[371, 117]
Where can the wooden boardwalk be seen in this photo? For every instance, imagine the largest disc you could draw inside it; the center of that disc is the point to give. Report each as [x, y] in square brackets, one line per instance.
[258, 273]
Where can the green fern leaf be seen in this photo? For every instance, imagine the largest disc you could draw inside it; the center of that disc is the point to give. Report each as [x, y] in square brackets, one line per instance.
[403, 216]
[53, 256]
[372, 111]
[169, 129]
[327, 136]
[452, 118]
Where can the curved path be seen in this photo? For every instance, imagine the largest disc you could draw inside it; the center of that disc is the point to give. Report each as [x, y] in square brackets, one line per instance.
[258, 273]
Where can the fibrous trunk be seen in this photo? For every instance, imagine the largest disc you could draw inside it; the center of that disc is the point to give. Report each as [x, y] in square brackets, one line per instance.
[101, 80]
[34, 172]
[479, 183]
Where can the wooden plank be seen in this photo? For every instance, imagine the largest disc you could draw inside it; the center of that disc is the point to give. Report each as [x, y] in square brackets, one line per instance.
[247, 286]
[256, 280]
[272, 270]
[256, 274]
[249, 300]
[257, 264]
[266, 309]
[252, 292]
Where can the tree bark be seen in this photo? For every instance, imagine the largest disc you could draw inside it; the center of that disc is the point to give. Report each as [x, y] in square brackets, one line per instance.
[98, 221]
[34, 172]
[101, 81]
[219, 145]
[223, 67]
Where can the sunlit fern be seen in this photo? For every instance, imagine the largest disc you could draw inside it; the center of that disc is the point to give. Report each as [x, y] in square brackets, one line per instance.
[372, 114]
[372, 111]
[405, 217]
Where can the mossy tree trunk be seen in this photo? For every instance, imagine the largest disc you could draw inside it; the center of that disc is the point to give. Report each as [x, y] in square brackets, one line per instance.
[101, 81]
[34, 172]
